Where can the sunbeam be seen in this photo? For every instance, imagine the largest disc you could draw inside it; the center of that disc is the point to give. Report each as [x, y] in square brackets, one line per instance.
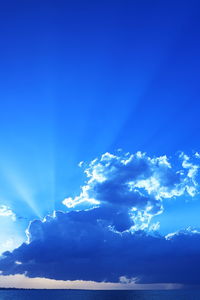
[23, 192]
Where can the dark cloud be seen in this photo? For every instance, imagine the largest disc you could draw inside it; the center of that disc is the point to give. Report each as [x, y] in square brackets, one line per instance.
[78, 245]
[106, 242]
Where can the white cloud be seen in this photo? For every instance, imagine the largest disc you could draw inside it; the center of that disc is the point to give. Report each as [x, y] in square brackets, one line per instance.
[187, 231]
[21, 281]
[138, 182]
[5, 211]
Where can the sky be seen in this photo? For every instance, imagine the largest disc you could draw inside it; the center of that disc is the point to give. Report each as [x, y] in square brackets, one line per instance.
[99, 130]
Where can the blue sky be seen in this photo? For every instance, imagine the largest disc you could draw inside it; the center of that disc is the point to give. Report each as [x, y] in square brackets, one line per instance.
[82, 78]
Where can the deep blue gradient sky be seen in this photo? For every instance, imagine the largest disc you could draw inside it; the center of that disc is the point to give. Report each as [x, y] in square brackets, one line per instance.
[80, 78]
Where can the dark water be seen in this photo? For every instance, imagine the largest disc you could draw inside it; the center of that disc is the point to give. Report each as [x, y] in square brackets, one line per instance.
[98, 295]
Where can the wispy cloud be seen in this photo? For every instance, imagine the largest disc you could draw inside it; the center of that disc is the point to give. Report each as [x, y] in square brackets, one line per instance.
[5, 211]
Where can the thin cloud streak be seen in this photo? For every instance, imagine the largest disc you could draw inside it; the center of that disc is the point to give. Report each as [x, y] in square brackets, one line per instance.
[21, 281]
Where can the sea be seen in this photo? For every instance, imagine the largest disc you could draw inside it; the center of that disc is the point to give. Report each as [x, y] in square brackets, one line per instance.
[98, 295]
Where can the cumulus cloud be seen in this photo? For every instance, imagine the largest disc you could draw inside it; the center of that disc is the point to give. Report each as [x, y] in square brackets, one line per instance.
[76, 246]
[132, 186]
[110, 241]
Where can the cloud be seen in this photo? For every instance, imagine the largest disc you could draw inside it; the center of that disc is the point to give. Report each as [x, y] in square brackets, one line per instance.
[133, 187]
[22, 281]
[76, 246]
[5, 211]
[109, 241]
